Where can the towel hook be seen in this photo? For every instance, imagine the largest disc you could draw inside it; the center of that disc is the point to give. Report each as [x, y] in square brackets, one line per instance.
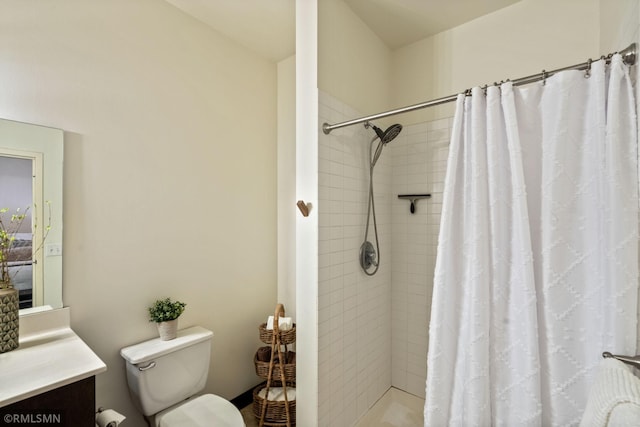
[304, 207]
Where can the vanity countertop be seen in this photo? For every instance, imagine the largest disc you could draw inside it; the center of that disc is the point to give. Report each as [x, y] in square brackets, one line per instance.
[50, 355]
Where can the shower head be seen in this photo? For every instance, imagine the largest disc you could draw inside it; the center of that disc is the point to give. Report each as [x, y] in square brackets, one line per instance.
[388, 135]
[385, 137]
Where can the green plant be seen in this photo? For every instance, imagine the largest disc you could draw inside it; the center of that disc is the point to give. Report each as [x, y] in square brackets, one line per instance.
[164, 310]
[10, 226]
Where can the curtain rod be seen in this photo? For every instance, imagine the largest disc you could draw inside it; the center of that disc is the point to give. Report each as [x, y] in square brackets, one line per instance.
[628, 57]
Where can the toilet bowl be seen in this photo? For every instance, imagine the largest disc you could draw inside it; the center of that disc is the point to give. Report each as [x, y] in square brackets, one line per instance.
[166, 377]
[205, 410]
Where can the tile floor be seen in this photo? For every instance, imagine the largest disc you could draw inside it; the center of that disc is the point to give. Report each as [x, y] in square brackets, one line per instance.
[247, 414]
[395, 409]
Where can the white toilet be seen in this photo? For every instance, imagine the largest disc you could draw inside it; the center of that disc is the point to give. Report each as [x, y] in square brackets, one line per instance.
[165, 376]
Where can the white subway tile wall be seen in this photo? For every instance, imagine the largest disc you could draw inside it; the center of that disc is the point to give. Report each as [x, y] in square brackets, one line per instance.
[354, 310]
[419, 162]
[373, 330]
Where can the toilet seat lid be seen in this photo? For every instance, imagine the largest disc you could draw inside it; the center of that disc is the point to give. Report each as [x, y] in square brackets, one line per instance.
[203, 411]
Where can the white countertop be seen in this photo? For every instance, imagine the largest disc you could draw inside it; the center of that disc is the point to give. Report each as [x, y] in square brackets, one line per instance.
[50, 355]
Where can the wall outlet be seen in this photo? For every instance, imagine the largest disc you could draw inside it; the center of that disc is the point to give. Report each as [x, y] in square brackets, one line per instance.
[53, 249]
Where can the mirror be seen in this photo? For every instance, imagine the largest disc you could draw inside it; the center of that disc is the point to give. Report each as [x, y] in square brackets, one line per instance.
[31, 159]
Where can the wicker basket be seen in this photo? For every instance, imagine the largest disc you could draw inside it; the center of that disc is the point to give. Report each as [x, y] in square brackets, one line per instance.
[262, 368]
[276, 412]
[286, 337]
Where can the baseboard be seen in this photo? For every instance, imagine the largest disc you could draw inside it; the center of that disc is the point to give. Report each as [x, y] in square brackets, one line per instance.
[246, 398]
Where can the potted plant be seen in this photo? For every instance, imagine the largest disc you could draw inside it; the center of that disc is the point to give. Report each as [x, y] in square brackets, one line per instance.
[165, 313]
[12, 257]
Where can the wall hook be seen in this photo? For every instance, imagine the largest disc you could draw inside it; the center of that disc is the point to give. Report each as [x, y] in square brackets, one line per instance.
[304, 207]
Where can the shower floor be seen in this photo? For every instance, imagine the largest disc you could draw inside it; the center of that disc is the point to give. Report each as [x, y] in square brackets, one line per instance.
[395, 408]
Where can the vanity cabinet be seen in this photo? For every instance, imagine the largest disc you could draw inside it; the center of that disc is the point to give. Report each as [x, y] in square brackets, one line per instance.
[72, 405]
[50, 378]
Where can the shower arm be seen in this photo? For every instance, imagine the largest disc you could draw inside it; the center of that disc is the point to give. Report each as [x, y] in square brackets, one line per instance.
[628, 57]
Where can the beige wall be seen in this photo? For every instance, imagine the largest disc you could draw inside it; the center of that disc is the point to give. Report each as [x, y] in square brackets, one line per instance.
[287, 210]
[353, 63]
[170, 173]
[356, 67]
[513, 42]
[618, 24]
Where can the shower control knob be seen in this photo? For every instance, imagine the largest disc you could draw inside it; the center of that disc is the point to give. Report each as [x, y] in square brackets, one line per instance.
[368, 256]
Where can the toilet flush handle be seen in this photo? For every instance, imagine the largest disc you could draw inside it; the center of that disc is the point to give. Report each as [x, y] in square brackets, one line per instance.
[149, 366]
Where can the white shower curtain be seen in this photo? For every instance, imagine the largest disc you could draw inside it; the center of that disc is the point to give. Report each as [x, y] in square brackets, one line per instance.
[537, 266]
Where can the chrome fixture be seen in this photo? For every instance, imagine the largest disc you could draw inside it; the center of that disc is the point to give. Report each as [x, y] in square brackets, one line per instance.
[628, 57]
[370, 256]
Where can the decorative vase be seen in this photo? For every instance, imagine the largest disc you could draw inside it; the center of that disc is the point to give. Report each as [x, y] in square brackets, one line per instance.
[168, 330]
[9, 319]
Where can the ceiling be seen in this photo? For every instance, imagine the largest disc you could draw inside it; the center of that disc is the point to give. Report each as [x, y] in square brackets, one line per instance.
[268, 26]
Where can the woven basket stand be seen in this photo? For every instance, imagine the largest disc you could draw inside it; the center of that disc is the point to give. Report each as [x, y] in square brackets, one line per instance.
[278, 413]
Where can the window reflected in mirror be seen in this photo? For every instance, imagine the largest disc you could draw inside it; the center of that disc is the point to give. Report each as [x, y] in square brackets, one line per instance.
[16, 195]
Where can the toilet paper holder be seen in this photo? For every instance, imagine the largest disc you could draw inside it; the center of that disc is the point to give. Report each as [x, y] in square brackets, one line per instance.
[108, 418]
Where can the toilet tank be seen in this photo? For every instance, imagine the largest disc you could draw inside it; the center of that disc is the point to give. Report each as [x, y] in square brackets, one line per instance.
[163, 373]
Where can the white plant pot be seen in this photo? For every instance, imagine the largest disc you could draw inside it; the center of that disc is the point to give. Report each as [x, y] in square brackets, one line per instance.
[168, 330]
